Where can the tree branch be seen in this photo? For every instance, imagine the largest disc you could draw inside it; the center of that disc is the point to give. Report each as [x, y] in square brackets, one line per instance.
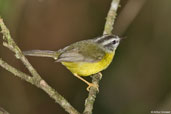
[35, 79]
[16, 72]
[110, 19]
[89, 102]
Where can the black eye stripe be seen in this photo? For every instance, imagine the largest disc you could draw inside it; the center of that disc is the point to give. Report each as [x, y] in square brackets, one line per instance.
[106, 38]
[111, 43]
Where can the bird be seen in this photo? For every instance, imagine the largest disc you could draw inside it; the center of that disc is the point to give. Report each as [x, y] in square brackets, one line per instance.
[84, 58]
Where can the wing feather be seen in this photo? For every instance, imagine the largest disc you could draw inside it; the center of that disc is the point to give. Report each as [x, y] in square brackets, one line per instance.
[87, 52]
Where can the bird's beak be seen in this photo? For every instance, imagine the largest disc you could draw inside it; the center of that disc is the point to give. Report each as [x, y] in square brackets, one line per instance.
[122, 38]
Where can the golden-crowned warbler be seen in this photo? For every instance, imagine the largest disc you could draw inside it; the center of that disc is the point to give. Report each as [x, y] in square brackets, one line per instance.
[84, 58]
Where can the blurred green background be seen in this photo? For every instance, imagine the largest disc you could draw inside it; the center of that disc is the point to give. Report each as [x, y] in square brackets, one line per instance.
[137, 81]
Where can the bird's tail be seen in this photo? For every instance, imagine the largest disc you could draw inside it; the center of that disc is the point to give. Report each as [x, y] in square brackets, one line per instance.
[42, 53]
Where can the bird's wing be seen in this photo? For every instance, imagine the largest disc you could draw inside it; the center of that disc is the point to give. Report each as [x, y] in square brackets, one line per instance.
[81, 52]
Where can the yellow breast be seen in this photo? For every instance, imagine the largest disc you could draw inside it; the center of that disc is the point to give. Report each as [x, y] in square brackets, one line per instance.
[87, 69]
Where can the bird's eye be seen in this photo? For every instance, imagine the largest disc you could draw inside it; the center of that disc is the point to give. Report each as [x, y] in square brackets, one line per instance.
[114, 42]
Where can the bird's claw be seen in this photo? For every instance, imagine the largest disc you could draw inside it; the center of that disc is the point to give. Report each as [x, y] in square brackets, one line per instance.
[93, 85]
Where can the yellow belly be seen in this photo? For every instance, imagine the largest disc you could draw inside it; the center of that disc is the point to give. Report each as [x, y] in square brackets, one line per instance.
[86, 69]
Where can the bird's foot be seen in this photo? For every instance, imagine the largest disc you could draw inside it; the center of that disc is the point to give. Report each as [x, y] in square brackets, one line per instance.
[92, 85]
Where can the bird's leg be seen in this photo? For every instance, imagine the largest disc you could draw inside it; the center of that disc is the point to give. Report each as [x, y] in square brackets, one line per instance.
[88, 83]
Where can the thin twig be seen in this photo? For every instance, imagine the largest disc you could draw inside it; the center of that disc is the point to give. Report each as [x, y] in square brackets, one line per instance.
[110, 19]
[89, 102]
[9, 43]
[92, 95]
[35, 79]
[16, 72]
